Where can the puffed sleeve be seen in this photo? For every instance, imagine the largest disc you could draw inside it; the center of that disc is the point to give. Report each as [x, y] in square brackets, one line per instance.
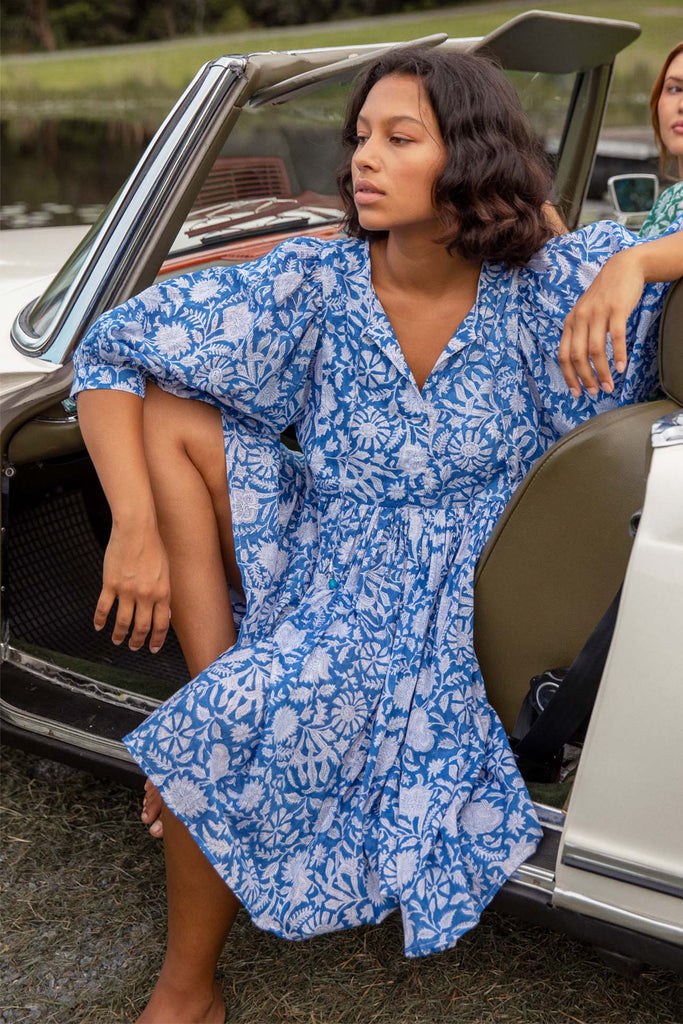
[242, 337]
[550, 285]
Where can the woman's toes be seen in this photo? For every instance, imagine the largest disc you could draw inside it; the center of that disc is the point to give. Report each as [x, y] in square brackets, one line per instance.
[151, 809]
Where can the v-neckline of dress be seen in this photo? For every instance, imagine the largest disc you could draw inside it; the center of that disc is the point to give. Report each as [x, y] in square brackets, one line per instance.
[382, 331]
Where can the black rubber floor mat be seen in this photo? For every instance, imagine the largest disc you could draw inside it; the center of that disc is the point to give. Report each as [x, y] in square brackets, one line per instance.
[53, 580]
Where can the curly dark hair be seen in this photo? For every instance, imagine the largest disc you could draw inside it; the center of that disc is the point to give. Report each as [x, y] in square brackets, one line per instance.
[491, 192]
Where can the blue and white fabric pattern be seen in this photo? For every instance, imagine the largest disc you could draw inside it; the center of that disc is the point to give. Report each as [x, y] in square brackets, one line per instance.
[342, 760]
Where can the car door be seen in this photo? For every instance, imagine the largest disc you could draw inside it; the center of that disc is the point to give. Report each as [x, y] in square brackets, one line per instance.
[621, 854]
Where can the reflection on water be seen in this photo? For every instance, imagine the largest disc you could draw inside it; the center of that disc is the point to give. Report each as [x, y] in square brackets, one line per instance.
[66, 170]
[63, 171]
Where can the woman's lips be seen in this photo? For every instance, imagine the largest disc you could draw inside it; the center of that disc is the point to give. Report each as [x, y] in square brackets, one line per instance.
[365, 193]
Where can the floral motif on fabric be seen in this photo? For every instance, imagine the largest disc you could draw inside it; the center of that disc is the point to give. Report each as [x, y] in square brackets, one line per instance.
[667, 209]
[342, 760]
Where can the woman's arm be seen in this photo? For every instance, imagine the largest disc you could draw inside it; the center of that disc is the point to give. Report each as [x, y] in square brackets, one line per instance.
[135, 570]
[242, 337]
[606, 306]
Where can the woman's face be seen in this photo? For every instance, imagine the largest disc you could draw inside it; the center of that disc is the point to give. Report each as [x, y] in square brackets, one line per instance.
[399, 155]
[670, 109]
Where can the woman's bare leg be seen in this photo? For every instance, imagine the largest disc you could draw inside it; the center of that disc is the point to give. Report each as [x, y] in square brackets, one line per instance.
[201, 910]
[186, 458]
[184, 447]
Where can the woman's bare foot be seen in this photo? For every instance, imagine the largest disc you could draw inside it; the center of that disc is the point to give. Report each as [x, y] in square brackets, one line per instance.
[151, 810]
[170, 1005]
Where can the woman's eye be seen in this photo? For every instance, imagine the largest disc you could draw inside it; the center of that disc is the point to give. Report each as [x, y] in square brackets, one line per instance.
[399, 139]
[360, 139]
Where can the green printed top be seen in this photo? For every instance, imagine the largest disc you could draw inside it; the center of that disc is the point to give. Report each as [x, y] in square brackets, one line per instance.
[666, 209]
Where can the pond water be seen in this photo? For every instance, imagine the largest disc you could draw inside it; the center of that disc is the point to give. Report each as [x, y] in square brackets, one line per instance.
[65, 170]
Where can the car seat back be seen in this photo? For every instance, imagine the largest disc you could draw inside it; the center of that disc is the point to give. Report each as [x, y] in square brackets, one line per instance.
[559, 552]
[243, 177]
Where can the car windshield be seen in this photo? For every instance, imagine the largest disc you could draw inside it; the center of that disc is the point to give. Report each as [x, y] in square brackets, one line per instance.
[275, 176]
[48, 305]
[276, 173]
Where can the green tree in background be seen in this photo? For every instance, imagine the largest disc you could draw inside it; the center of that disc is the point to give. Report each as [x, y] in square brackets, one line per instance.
[55, 24]
[27, 25]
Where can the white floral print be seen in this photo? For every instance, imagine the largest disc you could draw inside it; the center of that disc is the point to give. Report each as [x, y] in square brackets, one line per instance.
[342, 761]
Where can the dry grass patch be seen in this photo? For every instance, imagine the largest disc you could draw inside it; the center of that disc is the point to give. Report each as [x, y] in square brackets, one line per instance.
[83, 937]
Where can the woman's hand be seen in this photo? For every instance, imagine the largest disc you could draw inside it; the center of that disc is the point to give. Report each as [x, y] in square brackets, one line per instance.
[604, 307]
[136, 574]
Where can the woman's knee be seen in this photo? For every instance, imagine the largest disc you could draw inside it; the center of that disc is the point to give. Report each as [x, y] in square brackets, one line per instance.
[184, 448]
[187, 429]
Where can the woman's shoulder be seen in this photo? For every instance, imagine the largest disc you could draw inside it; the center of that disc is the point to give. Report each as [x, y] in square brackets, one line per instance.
[561, 270]
[312, 247]
[590, 244]
[314, 257]
[671, 193]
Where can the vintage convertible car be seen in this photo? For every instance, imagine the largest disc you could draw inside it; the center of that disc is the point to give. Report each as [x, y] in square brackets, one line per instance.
[246, 158]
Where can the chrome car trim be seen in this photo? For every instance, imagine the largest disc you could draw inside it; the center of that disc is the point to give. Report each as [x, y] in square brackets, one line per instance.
[550, 817]
[137, 211]
[23, 337]
[64, 733]
[668, 431]
[532, 877]
[623, 870]
[612, 914]
[56, 419]
[74, 682]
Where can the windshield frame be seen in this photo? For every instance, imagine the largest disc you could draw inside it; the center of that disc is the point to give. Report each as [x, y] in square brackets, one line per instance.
[112, 245]
[126, 252]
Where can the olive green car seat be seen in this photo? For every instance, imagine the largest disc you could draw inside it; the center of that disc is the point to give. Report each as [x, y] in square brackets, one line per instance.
[559, 552]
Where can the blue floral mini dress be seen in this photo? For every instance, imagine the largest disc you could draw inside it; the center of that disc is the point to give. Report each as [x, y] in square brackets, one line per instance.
[342, 760]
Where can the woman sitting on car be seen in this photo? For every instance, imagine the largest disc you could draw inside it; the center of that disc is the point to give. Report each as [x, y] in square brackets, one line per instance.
[339, 759]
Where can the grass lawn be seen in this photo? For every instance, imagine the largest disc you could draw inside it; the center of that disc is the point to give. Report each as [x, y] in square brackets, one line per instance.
[114, 81]
[82, 888]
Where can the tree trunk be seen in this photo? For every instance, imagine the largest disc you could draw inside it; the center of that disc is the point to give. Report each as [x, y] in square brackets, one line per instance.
[40, 19]
[169, 18]
[200, 11]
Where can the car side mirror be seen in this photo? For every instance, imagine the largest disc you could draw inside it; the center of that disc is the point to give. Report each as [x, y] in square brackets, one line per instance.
[632, 197]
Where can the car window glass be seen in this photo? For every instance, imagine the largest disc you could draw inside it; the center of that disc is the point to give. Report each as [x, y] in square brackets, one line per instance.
[46, 307]
[275, 176]
[276, 172]
[545, 99]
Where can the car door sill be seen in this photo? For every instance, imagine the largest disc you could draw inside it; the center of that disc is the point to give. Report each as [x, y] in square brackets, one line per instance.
[63, 734]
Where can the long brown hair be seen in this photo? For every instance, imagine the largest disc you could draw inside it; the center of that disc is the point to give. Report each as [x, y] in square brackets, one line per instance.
[665, 157]
[491, 193]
